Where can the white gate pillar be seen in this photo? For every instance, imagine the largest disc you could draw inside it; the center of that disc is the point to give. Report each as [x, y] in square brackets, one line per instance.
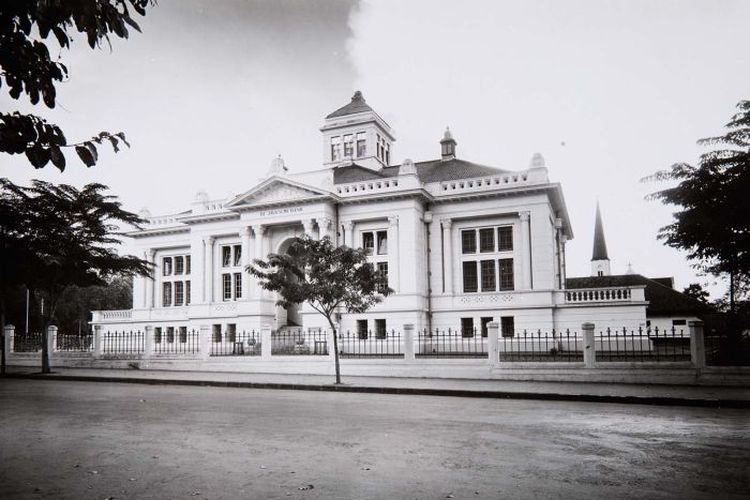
[589, 347]
[697, 344]
[493, 329]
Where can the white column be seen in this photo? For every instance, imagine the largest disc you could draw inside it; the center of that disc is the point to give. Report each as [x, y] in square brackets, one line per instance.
[324, 227]
[525, 250]
[148, 341]
[151, 282]
[409, 342]
[348, 233]
[208, 270]
[493, 328]
[448, 256]
[589, 346]
[697, 344]
[393, 260]
[245, 236]
[307, 225]
[259, 231]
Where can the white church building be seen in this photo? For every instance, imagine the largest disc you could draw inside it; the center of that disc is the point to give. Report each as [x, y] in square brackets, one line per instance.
[462, 244]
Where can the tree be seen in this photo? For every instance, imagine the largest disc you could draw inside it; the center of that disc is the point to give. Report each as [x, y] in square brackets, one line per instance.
[64, 237]
[696, 291]
[325, 276]
[711, 199]
[76, 303]
[28, 67]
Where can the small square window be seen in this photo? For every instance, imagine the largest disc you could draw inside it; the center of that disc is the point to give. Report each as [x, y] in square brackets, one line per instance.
[468, 241]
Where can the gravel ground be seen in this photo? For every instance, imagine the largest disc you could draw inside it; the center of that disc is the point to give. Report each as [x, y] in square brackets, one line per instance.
[81, 440]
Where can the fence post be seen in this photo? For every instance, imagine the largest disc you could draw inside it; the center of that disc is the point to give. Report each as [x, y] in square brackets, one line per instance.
[98, 342]
[697, 344]
[204, 340]
[493, 329]
[265, 342]
[589, 348]
[51, 339]
[409, 342]
[148, 341]
[9, 333]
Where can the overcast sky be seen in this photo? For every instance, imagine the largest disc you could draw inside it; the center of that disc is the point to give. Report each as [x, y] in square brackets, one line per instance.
[608, 92]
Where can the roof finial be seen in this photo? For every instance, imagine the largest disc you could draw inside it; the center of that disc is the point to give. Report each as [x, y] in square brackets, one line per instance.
[448, 145]
[277, 166]
[358, 96]
[537, 161]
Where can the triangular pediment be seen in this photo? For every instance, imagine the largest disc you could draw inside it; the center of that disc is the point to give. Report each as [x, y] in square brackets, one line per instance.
[278, 190]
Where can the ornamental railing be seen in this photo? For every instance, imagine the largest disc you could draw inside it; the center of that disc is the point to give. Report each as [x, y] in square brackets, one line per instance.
[368, 344]
[539, 346]
[643, 344]
[451, 343]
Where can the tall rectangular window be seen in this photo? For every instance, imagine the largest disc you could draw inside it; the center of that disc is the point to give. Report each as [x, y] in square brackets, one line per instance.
[166, 266]
[468, 241]
[470, 276]
[226, 256]
[507, 326]
[382, 242]
[335, 148]
[170, 335]
[487, 268]
[380, 331]
[362, 329]
[387, 154]
[226, 286]
[187, 292]
[166, 295]
[237, 255]
[348, 146]
[187, 264]
[467, 327]
[231, 332]
[237, 285]
[157, 335]
[505, 238]
[368, 243]
[487, 239]
[183, 334]
[383, 271]
[179, 293]
[361, 144]
[216, 333]
[505, 267]
[179, 264]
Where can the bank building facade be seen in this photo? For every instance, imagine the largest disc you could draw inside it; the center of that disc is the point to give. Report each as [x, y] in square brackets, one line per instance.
[462, 244]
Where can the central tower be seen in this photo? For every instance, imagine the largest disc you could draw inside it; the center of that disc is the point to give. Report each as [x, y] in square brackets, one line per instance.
[355, 133]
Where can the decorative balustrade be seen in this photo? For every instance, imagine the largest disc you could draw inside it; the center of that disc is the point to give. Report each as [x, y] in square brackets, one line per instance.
[487, 183]
[116, 314]
[614, 294]
[365, 187]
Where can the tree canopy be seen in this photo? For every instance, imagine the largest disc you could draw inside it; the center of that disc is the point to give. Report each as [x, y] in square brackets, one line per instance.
[27, 28]
[327, 277]
[712, 202]
[56, 236]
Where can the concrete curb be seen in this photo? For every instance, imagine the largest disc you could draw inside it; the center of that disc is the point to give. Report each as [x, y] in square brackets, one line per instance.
[543, 396]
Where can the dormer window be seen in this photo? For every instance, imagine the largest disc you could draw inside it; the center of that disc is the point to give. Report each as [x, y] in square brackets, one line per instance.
[336, 148]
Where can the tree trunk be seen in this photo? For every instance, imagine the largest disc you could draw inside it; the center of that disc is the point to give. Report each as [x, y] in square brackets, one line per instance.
[2, 334]
[335, 350]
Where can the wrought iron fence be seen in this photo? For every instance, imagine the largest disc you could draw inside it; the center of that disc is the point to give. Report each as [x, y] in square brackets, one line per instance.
[383, 344]
[238, 344]
[450, 343]
[75, 342]
[123, 342]
[642, 345]
[184, 342]
[299, 342]
[555, 346]
[28, 342]
[727, 349]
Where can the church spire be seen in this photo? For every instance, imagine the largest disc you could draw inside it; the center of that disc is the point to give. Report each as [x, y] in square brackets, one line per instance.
[599, 257]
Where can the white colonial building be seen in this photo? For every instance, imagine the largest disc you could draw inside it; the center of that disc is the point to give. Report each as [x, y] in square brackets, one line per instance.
[462, 244]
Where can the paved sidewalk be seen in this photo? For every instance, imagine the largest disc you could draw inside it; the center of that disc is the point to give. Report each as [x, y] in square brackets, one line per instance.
[712, 396]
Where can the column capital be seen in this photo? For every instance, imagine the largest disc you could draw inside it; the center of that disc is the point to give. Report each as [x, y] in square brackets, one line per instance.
[447, 223]
[307, 224]
[525, 216]
[393, 220]
[259, 229]
[209, 240]
[323, 222]
[246, 231]
[348, 224]
[151, 253]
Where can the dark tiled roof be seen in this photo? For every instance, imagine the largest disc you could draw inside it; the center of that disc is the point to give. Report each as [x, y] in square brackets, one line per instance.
[663, 300]
[357, 105]
[600, 245]
[427, 171]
